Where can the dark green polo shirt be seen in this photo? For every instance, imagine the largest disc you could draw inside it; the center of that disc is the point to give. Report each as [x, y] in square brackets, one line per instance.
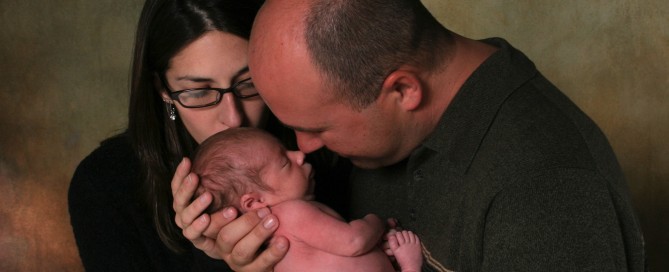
[514, 178]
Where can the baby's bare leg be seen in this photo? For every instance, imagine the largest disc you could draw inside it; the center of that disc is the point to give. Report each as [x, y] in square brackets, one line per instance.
[407, 250]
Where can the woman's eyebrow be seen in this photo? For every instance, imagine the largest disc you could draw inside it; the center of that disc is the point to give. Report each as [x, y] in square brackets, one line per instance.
[195, 79]
[200, 79]
[244, 69]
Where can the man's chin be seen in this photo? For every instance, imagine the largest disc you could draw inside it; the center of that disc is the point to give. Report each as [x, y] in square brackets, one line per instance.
[366, 163]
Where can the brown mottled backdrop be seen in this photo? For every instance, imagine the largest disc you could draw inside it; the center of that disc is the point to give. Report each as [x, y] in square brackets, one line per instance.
[64, 76]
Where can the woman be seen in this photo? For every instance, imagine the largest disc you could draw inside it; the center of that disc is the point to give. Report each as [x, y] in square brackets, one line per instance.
[189, 80]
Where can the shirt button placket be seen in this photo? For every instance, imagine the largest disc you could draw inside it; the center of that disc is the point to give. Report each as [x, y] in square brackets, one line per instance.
[417, 178]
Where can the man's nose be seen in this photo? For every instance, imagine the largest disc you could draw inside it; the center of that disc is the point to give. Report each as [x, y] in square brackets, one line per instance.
[308, 142]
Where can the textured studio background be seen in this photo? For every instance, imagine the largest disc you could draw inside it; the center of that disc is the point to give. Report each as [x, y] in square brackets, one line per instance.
[64, 76]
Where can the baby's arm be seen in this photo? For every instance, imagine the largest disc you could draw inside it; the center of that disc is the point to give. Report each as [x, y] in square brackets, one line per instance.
[320, 227]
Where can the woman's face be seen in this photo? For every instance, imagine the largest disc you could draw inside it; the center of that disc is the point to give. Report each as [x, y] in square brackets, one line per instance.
[215, 60]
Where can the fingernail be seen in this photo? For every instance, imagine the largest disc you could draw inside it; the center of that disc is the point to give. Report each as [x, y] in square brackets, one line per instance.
[190, 179]
[281, 244]
[228, 213]
[269, 223]
[204, 198]
[263, 212]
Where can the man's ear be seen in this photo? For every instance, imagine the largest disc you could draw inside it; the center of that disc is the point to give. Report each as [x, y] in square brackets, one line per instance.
[251, 201]
[404, 87]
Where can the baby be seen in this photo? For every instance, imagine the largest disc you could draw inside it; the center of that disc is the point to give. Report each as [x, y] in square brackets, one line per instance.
[248, 169]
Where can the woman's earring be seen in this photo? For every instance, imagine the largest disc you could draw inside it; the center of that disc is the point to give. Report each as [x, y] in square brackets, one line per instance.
[171, 110]
[173, 114]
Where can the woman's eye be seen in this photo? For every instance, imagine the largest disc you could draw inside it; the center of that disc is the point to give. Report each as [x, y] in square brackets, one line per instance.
[198, 94]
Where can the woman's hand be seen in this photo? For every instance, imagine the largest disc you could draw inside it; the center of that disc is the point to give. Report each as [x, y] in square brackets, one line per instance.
[222, 235]
[189, 216]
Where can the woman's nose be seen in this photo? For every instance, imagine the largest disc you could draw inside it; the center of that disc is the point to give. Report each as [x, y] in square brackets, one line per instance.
[231, 114]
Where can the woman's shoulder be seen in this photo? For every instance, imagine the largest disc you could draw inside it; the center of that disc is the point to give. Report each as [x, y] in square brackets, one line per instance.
[111, 163]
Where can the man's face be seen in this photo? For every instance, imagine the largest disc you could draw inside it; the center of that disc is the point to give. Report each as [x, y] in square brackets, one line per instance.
[301, 101]
[295, 91]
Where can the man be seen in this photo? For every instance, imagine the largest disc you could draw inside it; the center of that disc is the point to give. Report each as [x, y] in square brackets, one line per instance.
[463, 141]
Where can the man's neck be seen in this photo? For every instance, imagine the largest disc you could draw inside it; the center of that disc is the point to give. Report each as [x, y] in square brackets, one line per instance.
[466, 56]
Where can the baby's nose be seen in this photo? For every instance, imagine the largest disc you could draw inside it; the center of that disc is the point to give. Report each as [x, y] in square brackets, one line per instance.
[298, 156]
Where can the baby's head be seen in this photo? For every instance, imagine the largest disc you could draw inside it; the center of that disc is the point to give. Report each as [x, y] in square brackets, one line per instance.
[248, 168]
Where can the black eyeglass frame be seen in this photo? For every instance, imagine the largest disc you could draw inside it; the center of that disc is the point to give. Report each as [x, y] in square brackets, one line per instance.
[232, 89]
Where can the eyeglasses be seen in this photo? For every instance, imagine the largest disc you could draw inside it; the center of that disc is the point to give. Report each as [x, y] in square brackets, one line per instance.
[205, 97]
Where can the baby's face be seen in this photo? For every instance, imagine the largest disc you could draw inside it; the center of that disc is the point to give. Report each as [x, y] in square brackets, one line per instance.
[288, 174]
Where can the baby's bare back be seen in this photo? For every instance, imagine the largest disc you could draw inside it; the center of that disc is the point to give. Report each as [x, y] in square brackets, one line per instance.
[321, 241]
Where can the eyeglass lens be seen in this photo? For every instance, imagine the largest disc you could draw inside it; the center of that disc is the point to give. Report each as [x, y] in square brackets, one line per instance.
[206, 97]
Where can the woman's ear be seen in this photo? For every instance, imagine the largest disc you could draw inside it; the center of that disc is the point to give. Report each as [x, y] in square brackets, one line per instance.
[404, 87]
[158, 84]
[251, 201]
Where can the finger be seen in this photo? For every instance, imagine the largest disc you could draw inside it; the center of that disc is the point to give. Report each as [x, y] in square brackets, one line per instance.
[400, 237]
[194, 230]
[245, 250]
[392, 243]
[187, 215]
[407, 236]
[194, 234]
[183, 194]
[219, 219]
[414, 238]
[266, 261]
[183, 188]
[234, 231]
[384, 245]
[392, 223]
[180, 174]
[206, 244]
[390, 233]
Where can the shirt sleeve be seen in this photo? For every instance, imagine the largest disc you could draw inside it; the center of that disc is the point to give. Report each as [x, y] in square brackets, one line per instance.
[562, 220]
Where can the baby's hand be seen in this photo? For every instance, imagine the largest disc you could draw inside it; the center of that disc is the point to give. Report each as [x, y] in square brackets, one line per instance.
[392, 227]
[407, 250]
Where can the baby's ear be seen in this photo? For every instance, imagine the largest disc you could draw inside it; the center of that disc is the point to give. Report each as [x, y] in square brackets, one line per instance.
[251, 201]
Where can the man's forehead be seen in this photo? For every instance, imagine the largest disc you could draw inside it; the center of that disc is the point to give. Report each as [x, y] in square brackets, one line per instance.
[301, 115]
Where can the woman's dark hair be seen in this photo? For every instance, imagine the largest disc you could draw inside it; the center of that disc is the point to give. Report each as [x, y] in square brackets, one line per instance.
[165, 27]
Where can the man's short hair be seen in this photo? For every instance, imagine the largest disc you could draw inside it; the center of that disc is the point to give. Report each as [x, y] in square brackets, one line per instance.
[356, 44]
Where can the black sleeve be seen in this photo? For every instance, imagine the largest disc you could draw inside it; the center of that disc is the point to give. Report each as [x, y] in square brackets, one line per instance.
[105, 234]
[111, 228]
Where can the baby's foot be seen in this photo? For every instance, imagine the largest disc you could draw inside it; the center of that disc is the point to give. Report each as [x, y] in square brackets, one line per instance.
[407, 250]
